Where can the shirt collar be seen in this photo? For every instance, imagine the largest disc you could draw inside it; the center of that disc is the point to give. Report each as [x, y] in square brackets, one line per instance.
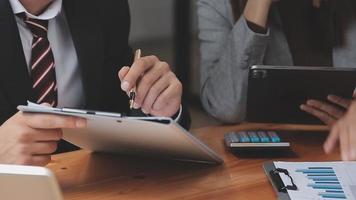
[51, 12]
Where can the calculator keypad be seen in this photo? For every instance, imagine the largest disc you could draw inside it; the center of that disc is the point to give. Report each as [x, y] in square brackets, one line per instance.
[253, 137]
[255, 140]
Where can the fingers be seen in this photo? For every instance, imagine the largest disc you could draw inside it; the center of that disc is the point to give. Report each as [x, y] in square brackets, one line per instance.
[345, 130]
[169, 96]
[150, 79]
[344, 146]
[36, 160]
[352, 138]
[44, 121]
[154, 92]
[168, 103]
[332, 139]
[43, 148]
[345, 138]
[42, 160]
[28, 135]
[331, 110]
[137, 69]
[123, 72]
[345, 103]
[324, 117]
[48, 135]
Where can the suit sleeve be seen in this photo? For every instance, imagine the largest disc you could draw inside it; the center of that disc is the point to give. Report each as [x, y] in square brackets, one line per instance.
[6, 109]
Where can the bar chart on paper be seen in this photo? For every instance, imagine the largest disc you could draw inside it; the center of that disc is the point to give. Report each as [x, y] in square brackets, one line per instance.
[330, 181]
[325, 181]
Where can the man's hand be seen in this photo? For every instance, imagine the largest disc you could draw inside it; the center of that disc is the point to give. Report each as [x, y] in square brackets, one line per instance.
[30, 139]
[327, 112]
[344, 131]
[158, 91]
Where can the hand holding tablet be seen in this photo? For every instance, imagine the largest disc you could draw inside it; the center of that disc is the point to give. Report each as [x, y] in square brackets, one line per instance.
[143, 136]
[276, 93]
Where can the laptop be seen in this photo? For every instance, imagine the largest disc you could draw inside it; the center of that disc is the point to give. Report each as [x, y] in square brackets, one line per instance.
[27, 182]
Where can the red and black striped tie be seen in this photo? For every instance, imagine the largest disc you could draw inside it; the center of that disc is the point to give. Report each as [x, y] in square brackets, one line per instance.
[43, 72]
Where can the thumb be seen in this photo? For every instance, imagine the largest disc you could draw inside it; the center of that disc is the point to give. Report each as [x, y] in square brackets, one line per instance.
[46, 104]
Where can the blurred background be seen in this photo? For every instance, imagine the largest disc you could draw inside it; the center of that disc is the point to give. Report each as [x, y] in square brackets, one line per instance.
[168, 29]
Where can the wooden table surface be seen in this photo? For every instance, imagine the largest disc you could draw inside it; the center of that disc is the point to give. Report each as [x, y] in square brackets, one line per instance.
[86, 176]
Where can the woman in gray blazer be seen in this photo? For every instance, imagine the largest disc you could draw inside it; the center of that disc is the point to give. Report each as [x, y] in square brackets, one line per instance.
[237, 34]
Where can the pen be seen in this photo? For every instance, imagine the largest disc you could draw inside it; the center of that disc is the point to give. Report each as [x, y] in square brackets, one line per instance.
[133, 90]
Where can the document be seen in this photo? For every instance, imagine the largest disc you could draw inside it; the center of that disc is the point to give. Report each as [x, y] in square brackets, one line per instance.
[320, 180]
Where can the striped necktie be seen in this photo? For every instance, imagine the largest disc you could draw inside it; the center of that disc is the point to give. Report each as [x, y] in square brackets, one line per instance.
[42, 63]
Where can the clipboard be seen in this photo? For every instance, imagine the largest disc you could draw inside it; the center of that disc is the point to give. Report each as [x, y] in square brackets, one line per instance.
[273, 176]
[141, 136]
[312, 180]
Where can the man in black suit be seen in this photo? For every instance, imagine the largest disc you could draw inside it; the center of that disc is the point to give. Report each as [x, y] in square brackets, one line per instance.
[72, 53]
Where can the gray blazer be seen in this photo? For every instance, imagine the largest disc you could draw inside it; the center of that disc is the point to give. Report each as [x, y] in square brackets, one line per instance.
[229, 48]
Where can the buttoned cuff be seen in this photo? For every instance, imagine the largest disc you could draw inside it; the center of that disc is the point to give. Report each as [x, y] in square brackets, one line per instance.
[177, 116]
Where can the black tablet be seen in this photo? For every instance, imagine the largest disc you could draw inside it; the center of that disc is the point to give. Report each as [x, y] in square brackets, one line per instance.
[275, 93]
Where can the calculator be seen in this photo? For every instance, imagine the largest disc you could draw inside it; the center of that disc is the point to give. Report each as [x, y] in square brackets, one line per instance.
[255, 140]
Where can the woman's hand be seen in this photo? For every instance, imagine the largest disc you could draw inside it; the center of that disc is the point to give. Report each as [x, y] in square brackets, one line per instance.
[344, 132]
[327, 112]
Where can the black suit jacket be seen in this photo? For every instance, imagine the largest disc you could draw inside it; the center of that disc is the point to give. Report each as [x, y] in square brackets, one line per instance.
[100, 33]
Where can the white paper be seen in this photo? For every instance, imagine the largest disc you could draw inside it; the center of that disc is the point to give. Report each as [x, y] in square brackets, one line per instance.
[345, 174]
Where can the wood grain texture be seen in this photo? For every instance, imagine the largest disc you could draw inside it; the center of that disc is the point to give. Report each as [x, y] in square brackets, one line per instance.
[86, 176]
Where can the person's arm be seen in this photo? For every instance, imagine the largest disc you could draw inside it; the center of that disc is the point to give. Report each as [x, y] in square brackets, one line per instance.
[30, 139]
[256, 11]
[227, 50]
[158, 91]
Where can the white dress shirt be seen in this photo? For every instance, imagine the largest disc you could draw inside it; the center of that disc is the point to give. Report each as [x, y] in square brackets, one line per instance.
[68, 73]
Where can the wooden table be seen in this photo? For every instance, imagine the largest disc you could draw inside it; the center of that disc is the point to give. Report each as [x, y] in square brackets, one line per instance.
[86, 176]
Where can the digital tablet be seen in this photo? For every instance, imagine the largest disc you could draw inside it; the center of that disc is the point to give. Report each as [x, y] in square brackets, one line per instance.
[26, 182]
[144, 136]
[275, 93]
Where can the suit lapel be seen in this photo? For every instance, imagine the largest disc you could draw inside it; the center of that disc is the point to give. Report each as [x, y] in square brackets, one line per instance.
[14, 77]
[88, 41]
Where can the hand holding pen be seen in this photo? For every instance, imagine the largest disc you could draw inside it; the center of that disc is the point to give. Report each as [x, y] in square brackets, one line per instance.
[132, 94]
[152, 86]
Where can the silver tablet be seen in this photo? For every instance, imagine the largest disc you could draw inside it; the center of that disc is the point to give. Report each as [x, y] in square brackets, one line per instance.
[25, 182]
[144, 136]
